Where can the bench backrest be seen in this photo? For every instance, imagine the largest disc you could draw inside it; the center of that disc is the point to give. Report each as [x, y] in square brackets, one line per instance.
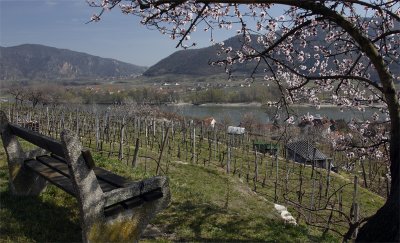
[47, 143]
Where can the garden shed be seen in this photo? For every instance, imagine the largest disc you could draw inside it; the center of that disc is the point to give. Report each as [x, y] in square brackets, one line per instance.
[305, 152]
[264, 147]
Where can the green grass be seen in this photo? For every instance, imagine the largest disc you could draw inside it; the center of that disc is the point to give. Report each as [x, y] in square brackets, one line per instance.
[207, 205]
[210, 206]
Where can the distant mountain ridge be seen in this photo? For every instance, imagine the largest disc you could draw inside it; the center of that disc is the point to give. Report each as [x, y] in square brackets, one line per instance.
[39, 62]
[196, 61]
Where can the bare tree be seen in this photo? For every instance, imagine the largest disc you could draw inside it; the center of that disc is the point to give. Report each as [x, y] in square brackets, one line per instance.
[348, 49]
[249, 121]
[18, 92]
[36, 96]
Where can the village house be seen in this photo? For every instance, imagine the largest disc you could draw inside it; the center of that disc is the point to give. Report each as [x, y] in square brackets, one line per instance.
[315, 123]
[235, 130]
[209, 122]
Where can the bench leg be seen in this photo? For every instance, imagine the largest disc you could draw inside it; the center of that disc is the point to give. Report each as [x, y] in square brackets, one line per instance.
[22, 181]
[128, 225]
[118, 231]
[125, 226]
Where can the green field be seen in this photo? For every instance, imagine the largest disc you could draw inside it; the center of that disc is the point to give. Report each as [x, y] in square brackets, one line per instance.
[207, 205]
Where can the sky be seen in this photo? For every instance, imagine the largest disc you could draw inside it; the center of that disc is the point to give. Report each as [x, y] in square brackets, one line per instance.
[61, 24]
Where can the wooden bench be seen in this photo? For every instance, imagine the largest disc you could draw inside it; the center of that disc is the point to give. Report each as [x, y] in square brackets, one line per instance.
[112, 208]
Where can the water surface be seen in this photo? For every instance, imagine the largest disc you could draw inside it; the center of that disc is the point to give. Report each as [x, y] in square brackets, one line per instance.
[263, 115]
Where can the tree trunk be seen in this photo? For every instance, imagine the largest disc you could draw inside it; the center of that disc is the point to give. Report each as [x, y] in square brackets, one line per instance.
[384, 226]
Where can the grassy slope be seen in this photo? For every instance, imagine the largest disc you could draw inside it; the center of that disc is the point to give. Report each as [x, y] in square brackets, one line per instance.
[206, 206]
[210, 206]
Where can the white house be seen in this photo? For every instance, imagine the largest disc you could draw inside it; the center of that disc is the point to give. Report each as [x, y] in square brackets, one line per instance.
[209, 121]
[236, 130]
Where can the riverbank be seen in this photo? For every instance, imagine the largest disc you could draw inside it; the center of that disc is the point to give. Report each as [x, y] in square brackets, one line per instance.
[235, 112]
[249, 104]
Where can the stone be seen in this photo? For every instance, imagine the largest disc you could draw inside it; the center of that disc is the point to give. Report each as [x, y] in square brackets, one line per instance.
[285, 214]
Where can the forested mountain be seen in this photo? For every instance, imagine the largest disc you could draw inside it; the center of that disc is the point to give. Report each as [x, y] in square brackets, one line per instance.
[38, 62]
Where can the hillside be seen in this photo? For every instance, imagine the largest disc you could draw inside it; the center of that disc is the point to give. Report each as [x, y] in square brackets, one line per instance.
[38, 62]
[201, 210]
[195, 62]
[207, 204]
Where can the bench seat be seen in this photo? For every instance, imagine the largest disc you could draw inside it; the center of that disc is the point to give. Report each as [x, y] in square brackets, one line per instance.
[55, 169]
[55, 177]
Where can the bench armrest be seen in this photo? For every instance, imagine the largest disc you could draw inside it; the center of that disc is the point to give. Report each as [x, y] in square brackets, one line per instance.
[147, 190]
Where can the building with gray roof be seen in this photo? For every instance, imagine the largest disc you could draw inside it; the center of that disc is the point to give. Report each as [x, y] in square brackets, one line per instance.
[305, 152]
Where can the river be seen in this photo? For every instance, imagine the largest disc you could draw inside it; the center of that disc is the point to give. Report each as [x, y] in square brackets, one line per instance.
[234, 114]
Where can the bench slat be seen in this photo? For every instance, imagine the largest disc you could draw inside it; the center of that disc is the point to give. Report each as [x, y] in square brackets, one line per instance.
[60, 166]
[111, 178]
[109, 211]
[133, 202]
[119, 207]
[55, 164]
[105, 175]
[55, 171]
[51, 175]
[152, 195]
[129, 196]
[42, 141]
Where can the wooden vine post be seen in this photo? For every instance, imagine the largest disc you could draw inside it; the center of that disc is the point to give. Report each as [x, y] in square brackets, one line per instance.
[277, 176]
[194, 145]
[161, 152]
[354, 212]
[255, 170]
[136, 153]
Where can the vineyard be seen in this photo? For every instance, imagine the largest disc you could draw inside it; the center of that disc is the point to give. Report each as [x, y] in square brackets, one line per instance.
[148, 140]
